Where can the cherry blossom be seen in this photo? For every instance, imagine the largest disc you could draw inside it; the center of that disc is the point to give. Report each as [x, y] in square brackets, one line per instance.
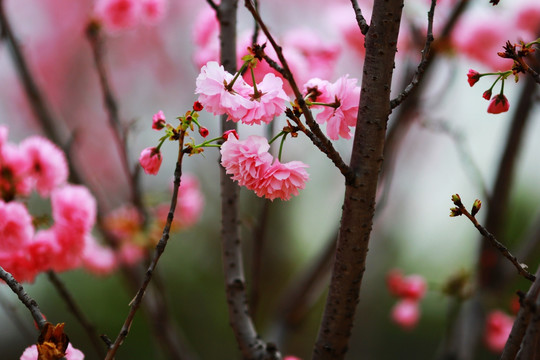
[153, 11]
[282, 180]
[16, 227]
[158, 120]
[31, 353]
[150, 160]
[118, 14]
[406, 313]
[98, 259]
[74, 208]
[268, 103]
[497, 330]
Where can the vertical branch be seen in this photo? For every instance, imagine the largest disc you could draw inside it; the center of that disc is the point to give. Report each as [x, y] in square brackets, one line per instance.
[30, 303]
[251, 346]
[359, 203]
[160, 248]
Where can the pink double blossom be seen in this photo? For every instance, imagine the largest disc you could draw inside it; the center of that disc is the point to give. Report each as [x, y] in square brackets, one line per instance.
[271, 102]
[250, 163]
[344, 97]
[48, 164]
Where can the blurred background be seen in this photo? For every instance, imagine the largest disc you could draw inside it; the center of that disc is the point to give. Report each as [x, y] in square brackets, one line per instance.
[449, 145]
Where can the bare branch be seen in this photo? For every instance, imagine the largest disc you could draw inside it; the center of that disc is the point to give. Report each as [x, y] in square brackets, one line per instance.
[18, 289]
[160, 248]
[422, 66]
[461, 210]
[362, 23]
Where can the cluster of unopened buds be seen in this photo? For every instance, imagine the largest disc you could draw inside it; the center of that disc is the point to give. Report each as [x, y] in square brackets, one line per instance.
[410, 290]
[517, 52]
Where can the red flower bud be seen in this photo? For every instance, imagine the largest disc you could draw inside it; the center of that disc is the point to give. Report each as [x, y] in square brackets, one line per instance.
[487, 94]
[473, 77]
[203, 131]
[498, 104]
[197, 106]
[226, 134]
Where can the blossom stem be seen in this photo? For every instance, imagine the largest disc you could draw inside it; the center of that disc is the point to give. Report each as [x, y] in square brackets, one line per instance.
[281, 145]
[238, 73]
[254, 82]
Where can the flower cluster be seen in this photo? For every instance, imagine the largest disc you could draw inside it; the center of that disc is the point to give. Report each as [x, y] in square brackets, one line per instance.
[499, 103]
[124, 14]
[410, 290]
[222, 93]
[250, 163]
[27, 245]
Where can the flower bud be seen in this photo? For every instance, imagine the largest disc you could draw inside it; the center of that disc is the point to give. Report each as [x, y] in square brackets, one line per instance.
[476, 207]
[203, 131]
[473, 77]
[228, 132]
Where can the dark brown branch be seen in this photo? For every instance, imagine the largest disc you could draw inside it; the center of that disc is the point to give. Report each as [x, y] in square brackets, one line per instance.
[160, 248]
[259, 237]
[95, 38]
[256, 28]
[213, 5]
[78, 313]
[359, 201]
[319, 139]
[422, 66]
[30, 303]
[461, 210]
[362, 23]
[523, 318]
[247, 339]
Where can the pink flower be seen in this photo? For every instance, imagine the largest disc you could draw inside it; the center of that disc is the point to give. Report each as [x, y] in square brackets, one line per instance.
[406, 313]
[118, 14]
[73, 208]
[48, 163]
[497, 330]
[289, 357]
[16, 228]
[124, 222]
[150, 160]
[158, 120]
[411, 287]
[473, 77]
[98, 259]
[271, 102]
[205, 37]
[31, 353]
[246, 160]
[216, 98]
[130, 254]
[43, 249]
[14, 167]
[345, 96]
[250, 163]
[153, 11]
[498, 104]
[282, 180]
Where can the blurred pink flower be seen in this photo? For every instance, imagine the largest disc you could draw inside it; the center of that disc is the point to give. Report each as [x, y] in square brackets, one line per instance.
[190, 202]
[48, 163]
[498, 104]
[31, 353]
[497, 330]
[98, 259]
[16, 228]
[346, 96]
[4, 131]
[153, 11]
[130, 254]
[528, 18]
[150, 160]
[118, 14]
[271, 103]
[406, 314]
[158, 120]
[411, 287]
[124, 222]
[73, 208]
[14, 167]
[43, 249]
[282, 180]
[216, 98]
[206, 37]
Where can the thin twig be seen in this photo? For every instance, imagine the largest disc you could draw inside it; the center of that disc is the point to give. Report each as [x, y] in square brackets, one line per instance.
[18, 289]
[319, 139]
[213, 5]
[160, 248]
[422, 66]
[362, 23]
[88, 327]
[461, 210]
[256, 28]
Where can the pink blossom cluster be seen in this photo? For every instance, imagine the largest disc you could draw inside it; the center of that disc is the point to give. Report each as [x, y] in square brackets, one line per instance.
[31, 353]
[240, 102]
[343, 96]
[497, 329]
[26, 246]
[250, 163]
[124, 14]
[410, 290]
